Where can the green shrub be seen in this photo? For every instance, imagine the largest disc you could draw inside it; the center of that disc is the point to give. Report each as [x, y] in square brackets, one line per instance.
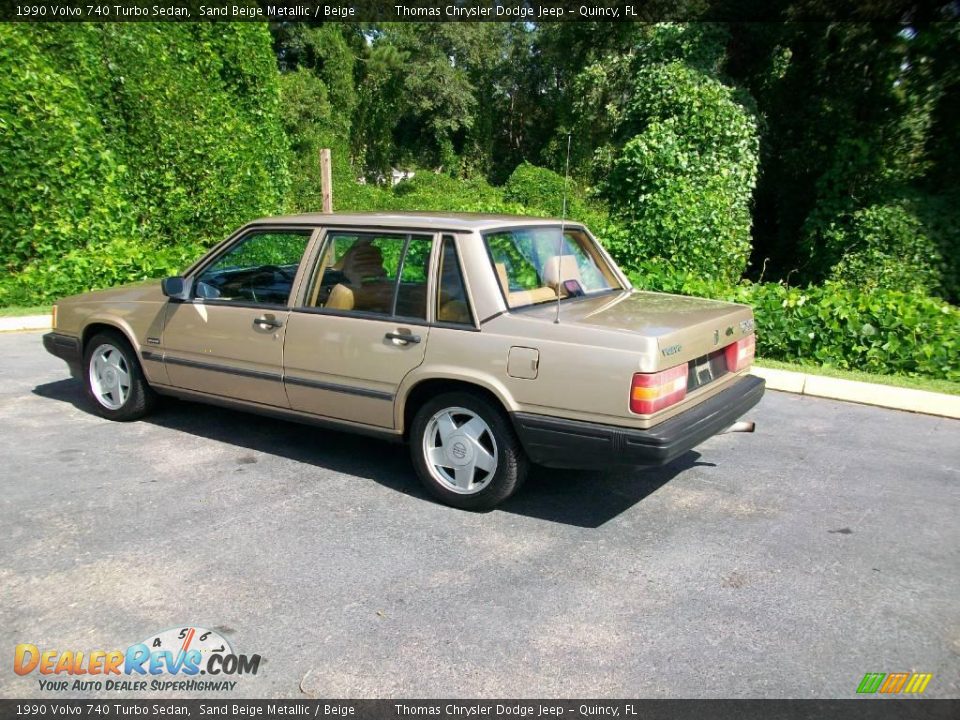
[63, 179]
[883, 246]
[879, 331]
[201, 130]
[940, 215]
[439, 192]
[682, 185]
[310, 124]
[99, 265]
[541, 191]
[664, 277]
[539, 188]
[426, 190]
[911, 243]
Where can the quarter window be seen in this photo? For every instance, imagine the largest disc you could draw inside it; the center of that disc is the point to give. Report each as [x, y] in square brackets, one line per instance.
[260, 268]
[384, 274]
[451, 295]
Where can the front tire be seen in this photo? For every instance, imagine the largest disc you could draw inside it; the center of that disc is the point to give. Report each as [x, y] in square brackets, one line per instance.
[465, 451]
[114, 380]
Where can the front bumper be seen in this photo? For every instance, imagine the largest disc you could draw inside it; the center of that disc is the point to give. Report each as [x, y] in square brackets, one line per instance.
[66, 348]
[559, 443]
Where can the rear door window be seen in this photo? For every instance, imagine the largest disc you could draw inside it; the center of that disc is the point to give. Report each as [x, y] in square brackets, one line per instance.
[373, 273]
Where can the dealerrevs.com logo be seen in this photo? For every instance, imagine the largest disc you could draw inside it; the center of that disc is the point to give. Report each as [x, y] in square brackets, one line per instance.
[168, 661]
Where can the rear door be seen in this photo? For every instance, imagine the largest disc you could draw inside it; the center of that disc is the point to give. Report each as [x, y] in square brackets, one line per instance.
[228, 340]
[362, 325]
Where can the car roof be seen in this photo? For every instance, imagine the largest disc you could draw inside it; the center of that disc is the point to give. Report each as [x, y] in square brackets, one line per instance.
[432, 220]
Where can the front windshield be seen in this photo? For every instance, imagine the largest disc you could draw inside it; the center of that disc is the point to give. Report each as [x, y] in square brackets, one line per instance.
[532, 264]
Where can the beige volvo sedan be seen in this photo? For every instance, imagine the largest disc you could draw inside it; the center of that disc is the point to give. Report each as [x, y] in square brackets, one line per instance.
[486, 342]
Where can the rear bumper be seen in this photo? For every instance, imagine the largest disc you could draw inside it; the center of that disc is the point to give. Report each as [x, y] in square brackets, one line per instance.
[555, 442]
[65, 347]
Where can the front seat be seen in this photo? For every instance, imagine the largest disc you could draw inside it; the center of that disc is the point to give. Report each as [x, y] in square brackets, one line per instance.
[341, 298]
[362, 262]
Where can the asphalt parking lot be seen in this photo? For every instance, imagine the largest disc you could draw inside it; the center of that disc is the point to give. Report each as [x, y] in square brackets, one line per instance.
[787, 563]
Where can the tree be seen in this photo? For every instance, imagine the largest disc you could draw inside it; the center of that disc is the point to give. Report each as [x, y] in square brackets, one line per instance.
[854, 116]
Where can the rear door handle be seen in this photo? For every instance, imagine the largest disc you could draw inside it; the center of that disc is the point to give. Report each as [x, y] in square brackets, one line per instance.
[268, 321]
[403, 337]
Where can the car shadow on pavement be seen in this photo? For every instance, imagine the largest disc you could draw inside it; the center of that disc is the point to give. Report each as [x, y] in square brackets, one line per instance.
[67, 390]
[590, 498]
[582, 498]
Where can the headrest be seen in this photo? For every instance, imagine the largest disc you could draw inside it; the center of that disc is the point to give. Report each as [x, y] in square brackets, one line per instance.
[568, 270]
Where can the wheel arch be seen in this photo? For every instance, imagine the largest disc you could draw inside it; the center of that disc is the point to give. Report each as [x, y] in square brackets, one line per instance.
[97, 325]
[424, 388]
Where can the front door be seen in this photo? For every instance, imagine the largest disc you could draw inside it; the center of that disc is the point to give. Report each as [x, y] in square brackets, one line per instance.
[362, 326]
[228, 340]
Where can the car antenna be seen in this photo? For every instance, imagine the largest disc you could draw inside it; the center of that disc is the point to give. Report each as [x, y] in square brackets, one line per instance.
[563, 227]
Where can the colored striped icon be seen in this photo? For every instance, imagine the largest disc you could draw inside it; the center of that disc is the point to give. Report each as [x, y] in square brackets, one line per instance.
[918, 683]
[894, 683]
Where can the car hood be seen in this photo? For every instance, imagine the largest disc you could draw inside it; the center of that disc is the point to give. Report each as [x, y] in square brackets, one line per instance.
[146, 291]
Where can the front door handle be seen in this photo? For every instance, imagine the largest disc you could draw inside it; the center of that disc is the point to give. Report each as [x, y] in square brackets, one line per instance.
[268, 321]
[403, 337]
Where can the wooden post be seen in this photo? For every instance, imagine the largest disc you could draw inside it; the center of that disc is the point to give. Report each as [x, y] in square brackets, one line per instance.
[326, 181]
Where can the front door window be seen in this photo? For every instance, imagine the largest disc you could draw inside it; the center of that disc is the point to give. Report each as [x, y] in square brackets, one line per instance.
[259, 269]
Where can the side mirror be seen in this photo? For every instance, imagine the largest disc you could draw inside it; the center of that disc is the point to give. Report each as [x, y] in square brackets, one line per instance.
[176, 288]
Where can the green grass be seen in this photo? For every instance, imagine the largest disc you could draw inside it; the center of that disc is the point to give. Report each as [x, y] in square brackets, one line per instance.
[21, 311]
[913, 383]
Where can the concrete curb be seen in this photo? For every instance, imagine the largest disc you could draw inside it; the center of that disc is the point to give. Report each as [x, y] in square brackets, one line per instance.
[27, 322]
[896, 398]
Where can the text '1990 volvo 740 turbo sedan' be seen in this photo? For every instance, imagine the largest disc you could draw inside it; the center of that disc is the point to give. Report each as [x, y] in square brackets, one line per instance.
[486, 342]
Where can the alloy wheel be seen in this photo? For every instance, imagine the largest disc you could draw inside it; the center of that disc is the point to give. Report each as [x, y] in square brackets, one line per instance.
[109, 376]
[460, 450]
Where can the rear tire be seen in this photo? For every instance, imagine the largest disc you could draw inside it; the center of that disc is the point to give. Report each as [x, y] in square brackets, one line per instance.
[114, 380]
[466, 452]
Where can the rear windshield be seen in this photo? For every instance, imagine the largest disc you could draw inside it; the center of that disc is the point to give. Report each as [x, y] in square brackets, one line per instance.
[533, 264]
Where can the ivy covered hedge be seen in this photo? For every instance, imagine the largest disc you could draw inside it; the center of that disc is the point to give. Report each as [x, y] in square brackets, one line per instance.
[683, 183]
[879, 331]
[127, 147]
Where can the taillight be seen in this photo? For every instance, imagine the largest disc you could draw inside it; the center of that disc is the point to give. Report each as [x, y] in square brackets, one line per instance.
[740, 354]
[650, 392]
[53, 317]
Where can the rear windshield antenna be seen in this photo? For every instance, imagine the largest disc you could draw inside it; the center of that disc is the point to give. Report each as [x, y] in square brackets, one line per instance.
[563, 226]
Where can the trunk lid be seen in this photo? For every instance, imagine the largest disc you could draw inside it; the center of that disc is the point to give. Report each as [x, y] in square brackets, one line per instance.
[686, 329]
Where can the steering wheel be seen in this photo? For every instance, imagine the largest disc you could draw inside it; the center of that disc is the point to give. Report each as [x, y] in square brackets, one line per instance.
[273, 270]
[285, 274]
